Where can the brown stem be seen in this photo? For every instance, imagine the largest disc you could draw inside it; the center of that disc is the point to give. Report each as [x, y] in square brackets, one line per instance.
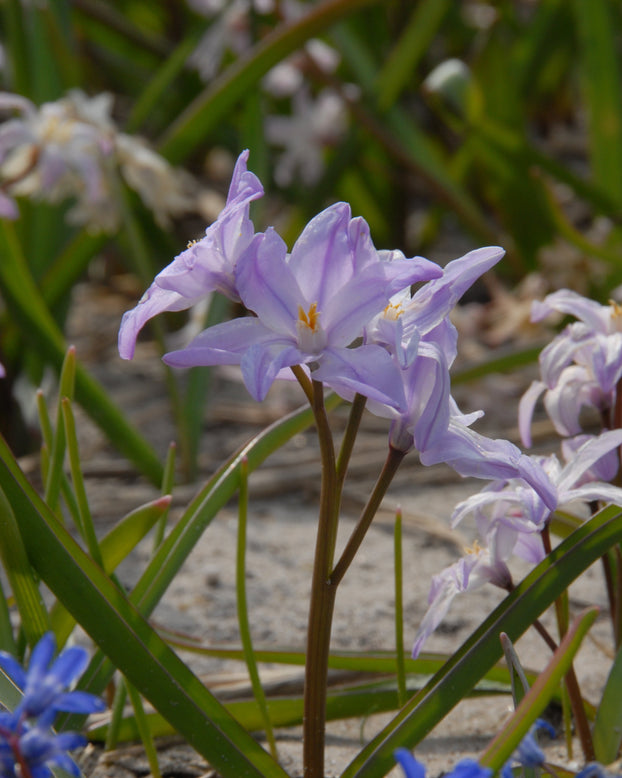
[393, 461]
[322, 601]
[570, 679]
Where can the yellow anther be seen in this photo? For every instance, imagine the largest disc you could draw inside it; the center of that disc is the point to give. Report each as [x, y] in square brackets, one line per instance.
[310, 319]
[616, 309]
[191, 243]
[474, 549]
[393, 312]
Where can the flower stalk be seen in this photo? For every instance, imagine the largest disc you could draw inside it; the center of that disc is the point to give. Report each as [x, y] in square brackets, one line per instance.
[321, 607]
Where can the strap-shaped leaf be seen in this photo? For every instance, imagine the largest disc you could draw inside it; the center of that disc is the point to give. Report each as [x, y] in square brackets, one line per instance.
[483, 649]
[115, 625]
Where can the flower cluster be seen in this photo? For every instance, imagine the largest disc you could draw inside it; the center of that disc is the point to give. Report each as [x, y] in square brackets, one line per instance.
[342, 311]
[71, 148]
[28, 745]
[580, 367]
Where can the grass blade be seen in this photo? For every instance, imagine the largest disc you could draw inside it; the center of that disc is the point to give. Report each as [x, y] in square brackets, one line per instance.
[538, 697]
[133, 646]
[34, 617]
[483, 649]
[607, 732]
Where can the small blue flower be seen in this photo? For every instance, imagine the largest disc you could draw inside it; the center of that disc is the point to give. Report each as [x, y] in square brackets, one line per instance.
[411, 767]
[42, 748]
[28, 746]
[44, 682]
[595, 770]
[466, 768]
[529, 753]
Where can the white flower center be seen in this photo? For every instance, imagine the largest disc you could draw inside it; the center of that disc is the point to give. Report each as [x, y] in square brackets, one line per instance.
[311, 336]
[393, 311]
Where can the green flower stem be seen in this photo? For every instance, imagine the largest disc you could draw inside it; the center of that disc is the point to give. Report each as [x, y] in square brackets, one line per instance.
[322, 602]
[325, 582]
[7, 641]
[617, 617]
[572, 685]
[243, 620]
[608, 575]
[399, 610]
[392, 463]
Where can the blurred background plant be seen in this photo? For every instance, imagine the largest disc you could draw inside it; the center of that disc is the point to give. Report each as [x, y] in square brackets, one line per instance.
[443, 124]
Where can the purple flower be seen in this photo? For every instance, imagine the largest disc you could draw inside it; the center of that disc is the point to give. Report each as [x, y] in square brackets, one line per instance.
[8, 207]
[206, 266]
[422, 388]
[580, 367]
[480, 565]
[407, 319]
[520, 507]
[417, 332]
[509, 514]
[477, 456]
[310, 305]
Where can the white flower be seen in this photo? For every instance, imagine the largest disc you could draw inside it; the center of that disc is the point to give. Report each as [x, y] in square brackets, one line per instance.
[315, 123]
[71, 148]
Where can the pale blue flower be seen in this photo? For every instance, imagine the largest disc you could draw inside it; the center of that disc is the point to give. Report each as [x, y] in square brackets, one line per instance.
[310, 305]
[510, 513]
[206, 266]
[480, 565]
[580, 367]
[409, 318]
